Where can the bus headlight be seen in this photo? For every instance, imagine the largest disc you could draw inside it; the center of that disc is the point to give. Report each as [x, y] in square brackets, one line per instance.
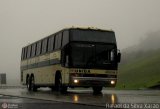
[76, 81]
[112, 82]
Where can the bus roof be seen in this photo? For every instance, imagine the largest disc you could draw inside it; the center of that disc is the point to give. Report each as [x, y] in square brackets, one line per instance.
[71, 28]
[88, 28]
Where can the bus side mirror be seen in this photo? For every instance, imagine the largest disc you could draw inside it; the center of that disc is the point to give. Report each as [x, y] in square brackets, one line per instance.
[118, 57]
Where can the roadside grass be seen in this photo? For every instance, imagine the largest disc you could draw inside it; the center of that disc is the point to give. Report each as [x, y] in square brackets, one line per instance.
[141, 72]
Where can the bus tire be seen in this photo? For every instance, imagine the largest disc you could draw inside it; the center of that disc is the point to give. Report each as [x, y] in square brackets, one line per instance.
[32, 82]
[97, 89]
[63, 89]
[28, 83]
[58, 83]
[52, 88]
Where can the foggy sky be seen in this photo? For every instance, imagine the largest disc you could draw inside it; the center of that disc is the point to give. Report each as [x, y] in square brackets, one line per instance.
[25, 21]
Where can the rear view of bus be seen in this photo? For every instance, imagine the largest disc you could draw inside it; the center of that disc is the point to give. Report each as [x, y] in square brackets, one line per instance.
[73, 57]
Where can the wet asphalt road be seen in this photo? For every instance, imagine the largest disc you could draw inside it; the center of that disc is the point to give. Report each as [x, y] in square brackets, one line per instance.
[78, 98]
[10, 102]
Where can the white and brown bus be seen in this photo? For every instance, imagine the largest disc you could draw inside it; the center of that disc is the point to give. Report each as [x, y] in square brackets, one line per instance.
[73, 57]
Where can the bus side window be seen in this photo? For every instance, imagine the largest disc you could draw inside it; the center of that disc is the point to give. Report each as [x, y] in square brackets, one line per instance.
[38, 51]
[22, 54]
[51, 43]
[25, 52]
[29, 51]
[44, 45]
[65, 38]
[58, 41]
[33, 51]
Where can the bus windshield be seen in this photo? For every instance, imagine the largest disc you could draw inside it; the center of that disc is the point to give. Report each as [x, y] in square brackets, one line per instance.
[93, 55]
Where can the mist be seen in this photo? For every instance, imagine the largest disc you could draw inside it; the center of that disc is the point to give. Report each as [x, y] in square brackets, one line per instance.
[23, 22]
[146, 46]
[151, 42]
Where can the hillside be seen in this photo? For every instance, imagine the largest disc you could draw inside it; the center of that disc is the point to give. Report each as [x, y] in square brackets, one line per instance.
[141, 72]
[140, 65]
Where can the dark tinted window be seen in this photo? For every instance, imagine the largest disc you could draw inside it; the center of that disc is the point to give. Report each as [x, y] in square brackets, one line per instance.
[44, 45]
[38, 51]
[25, 55]
[25, 52]
[22, 54]
[58, 41]
[51, 43]
[29, 51]
[33, 53]
[65, 38]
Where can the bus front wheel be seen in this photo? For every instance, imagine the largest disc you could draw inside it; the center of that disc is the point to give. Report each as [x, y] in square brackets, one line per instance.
[58, 83]
[33, 87]
[97, 89]
[28, 83]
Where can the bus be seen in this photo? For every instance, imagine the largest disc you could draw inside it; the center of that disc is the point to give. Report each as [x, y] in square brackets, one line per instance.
[71, 57]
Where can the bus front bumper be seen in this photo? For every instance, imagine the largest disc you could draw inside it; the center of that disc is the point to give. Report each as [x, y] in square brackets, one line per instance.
[92, 81]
